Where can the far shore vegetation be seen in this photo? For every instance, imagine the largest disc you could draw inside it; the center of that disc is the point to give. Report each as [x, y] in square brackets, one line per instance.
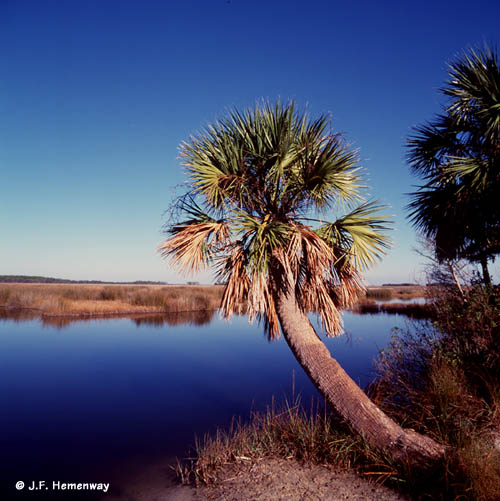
[88, 300]
[32, 279]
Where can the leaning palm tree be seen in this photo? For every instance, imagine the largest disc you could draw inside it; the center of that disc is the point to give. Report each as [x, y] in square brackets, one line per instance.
[260, 184]
[458, 156]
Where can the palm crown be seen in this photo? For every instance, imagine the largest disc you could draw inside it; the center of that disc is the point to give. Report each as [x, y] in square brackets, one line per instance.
[260, 184]
[458, 156]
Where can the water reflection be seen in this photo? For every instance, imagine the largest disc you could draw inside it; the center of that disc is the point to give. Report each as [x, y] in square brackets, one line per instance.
[18, 315]
[411, 309]
[417, 310]
[201, 317]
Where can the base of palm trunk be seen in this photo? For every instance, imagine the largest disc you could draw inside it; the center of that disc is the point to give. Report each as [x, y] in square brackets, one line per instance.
[403, 446]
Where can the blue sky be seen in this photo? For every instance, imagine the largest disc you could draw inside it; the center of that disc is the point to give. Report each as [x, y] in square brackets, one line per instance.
[95, 98]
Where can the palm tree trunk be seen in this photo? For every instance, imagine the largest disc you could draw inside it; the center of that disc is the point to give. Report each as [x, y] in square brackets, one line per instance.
[486, 273]
[344, 395]
[455, 278]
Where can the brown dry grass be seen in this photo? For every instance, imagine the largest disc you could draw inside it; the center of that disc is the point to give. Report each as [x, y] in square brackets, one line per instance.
[404, 292]
[412, 310]
[89, 300]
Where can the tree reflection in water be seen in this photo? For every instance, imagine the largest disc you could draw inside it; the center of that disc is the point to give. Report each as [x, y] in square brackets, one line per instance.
[201, 317]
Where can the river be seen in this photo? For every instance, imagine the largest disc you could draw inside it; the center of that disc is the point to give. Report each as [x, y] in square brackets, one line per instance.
[94, 400]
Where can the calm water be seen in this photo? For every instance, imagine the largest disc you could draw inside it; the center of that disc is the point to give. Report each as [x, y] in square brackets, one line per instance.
[413, 300]
[89, 400]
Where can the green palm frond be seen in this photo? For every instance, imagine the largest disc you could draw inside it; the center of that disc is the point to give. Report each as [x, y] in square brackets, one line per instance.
[359, 236]
[259, 237]
[432, 145]
[328, 176]
[475, 90]
[214, 163]
[470, 173]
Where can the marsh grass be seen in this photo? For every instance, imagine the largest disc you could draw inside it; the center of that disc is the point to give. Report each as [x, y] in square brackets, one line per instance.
[374, 301]
[403, 292]
[443, 406]
[83, 299]
[380, 293]
[412, 310]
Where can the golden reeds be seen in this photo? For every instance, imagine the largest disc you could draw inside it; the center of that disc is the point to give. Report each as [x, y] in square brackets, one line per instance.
[88, 300]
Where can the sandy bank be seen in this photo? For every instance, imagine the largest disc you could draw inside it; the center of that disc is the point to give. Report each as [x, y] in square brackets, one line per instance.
[267, 479]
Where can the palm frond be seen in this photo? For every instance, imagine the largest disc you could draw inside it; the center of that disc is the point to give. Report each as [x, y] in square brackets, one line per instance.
[475, 90]
[192, 245]
[470, 173]
[324, 282]
[437, 214]
[359, 236]
[215, 164]
[232, 271]
[330, 175]
[260, 236]
[431, 146]
[251, 292]
[458, 156]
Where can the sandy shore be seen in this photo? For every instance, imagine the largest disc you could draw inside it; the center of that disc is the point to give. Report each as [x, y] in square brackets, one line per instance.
[266, 480]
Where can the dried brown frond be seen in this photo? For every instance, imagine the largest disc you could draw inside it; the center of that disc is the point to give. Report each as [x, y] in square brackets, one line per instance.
[261, 304]
[324, 281]
[190, 248]
[254, 292]
[349, 287]
[238, 285]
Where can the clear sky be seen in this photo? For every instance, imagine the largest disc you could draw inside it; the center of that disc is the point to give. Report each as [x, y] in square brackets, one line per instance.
[96, 96]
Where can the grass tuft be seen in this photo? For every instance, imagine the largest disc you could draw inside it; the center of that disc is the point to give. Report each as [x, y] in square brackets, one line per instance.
[288, 432]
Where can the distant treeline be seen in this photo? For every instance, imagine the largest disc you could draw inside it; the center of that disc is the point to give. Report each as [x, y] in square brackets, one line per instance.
[27, 279]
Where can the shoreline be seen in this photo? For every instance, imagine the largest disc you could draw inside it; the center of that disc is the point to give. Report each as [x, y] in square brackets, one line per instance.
[270, 478]
[87, 301]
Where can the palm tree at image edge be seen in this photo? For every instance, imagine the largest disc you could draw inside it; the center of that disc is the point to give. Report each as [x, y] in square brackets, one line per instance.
[457, 154]
[260, 183]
